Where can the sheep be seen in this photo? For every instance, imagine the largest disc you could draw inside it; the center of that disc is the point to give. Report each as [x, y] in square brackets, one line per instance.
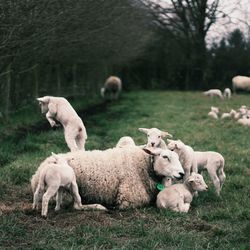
[213, 112]
[214, 163]
[125, 141]
[245, 120]
[241, 83]
[214, 92]
[155, 137]
[225, 115]
[119, 177]
[59, 109]
[186, 155]
[227, 93]
[179, 196]
[112, 88]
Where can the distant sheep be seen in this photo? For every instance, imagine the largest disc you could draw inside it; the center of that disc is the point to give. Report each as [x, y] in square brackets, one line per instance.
[112, 88]
[214, 93]
[179, 196]
[125, 141]
[241, 83]
[59, 109]
[213, 112]
[227, 93]
[245, 121]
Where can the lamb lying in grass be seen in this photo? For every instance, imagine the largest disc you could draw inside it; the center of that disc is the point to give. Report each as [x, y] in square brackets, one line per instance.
[179, 196]
[214, 93]
[56, 175]
[214, 163]
[118, 177]
[213, 112]
[58, 108]
[155, 137]
[125, 141]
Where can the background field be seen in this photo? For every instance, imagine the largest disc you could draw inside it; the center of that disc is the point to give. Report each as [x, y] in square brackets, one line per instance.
[26, 139]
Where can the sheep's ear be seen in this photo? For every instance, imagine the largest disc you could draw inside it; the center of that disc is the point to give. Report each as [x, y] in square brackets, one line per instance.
[144, 130]
[43, 99]
[164, 134]
[169, 140]
[153, 151]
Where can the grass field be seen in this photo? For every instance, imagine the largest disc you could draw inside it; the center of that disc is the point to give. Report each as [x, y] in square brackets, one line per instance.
[213, 222]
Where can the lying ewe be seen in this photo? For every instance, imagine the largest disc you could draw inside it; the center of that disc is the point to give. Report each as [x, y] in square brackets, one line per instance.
[214, 112]
[179, 196]
[241, 83]
[227, 93]
[59, 109]
[112, 88]
[119, 177]
[155, 137]
[55, 175]
[214, 163]
[125, 141]
[213, 92]
[186, 155]
[245, 120]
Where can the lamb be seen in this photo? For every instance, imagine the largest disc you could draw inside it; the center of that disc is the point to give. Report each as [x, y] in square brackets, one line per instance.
[112, 88]
[227, 93]
[186, 155]
[57, 174]
[214, 163]
[241, 83]
[119, 177]
[214, 93]
[125, 141]
[155, 137]
[179, 196]
[59, 109]
[214, 112]
[245, 120]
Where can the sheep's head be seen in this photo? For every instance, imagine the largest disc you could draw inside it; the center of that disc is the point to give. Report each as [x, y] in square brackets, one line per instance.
[44, 102]
[196, 182]
[59, 159]
[175, 145]
[154, 136]
[166, 162]
[215, 110]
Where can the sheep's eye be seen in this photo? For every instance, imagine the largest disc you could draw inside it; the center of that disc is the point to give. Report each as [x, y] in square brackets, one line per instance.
[165, 157]
[159, 136]
[148, 135]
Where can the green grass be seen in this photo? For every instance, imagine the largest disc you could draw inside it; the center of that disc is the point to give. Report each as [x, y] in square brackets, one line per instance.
[213, 222]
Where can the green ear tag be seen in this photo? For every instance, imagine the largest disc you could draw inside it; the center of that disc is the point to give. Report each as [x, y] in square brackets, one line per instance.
[160, 186]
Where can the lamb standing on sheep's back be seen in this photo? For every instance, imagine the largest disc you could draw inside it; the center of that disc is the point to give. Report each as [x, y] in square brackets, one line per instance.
[118, 177]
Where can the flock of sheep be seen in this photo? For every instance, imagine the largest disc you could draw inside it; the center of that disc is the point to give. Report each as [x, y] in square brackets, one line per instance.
[125, 176]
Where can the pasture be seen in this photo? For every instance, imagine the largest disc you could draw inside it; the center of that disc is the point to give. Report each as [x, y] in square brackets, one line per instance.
[213, 222]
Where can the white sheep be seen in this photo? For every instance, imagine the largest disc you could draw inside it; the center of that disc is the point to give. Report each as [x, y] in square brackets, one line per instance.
[112, 88]
[214, 163]
[245, 120]
[119, 177]
[125, 141]
[227, 93]
[179, 196]
[155, 137]
[186, 155]
[213, 112]
[59, 109]
[241, 83]
[213, 93]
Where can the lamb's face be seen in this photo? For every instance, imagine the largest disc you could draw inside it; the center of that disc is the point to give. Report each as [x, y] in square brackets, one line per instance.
[175, 145]
[197, 182]
[215, 110]
[43, 102]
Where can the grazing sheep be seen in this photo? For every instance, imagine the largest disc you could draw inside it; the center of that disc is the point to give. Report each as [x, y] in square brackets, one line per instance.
[59, 109]
[186, 155]
[119, 177]
[112, 88]
[155, 137]
[213, 93]
[214, 163]
[214, 112]
[179, 196]
[241, 83]
[227, 93]
[125, 141]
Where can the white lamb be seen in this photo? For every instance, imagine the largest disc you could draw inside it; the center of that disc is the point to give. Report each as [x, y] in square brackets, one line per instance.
[214, 163]
[59, 109]
[241, 83]
[214, 112]
[245, 120]
[227, 93]
[56, 175]
[125, 141]
[213, 93]
[112, 88]
[179, 196]
[186, 155]
[119, 177]
[155, 137]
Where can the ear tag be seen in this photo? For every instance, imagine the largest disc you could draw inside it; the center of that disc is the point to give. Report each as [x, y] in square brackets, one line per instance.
[160, 186]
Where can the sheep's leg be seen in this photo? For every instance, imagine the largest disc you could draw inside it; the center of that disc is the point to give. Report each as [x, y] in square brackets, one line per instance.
[37, 197]
[49, 117]
[183, 207]
[214, 178]
[51, 191]
[77, 197]
[80, 141]
[221, 176]
[70, 139]
[58, 199]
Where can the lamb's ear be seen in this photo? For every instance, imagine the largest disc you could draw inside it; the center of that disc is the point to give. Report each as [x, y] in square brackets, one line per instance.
[43, 99]
[153, 151]
[54, 155]
[164, 134]
[168, 140]
[144, 130]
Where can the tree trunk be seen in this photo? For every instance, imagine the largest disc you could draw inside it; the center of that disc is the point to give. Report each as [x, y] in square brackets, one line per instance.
[6, 96]
[36, 81]
[58, 77]
[74, 73]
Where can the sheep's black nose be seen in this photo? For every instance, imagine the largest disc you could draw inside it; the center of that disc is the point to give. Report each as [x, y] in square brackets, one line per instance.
[152, 143]
[181, 174]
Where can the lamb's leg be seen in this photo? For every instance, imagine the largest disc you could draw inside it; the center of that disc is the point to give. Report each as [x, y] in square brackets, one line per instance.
[70, 137]
[37, 197]
[49, 117]
[212, 172]
[221, 176]
[58, 199]
[51, 191]
[183, 207]
[80, 141]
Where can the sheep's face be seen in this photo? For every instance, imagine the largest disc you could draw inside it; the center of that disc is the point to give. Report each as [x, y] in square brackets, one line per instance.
[215, 110]
[166, 163]
[43, 102]
[59, 159]
[154, 136]
[174, 145]
[197, 182]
